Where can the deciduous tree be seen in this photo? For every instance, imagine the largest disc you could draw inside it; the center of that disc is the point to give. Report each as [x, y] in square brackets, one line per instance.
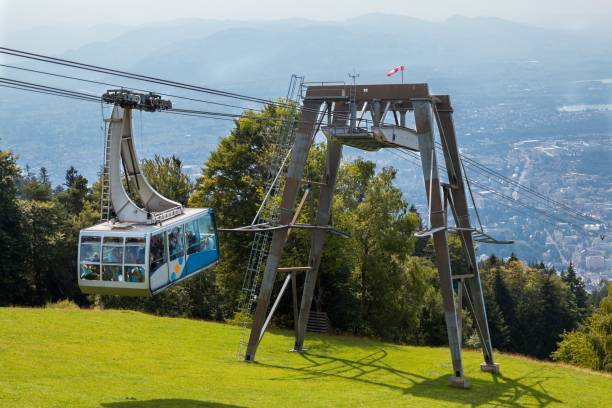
[12, 283]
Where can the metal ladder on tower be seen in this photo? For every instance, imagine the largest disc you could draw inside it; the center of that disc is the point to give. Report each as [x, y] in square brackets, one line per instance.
[105, 204]
[268, 212]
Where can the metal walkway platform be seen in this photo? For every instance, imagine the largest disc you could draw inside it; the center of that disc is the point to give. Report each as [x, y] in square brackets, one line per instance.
[374, 139]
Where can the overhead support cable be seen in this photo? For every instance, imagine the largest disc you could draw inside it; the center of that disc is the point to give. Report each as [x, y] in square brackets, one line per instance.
[469, 186]
[523, 206]
[40, 91]
[546, 201]
[125, 74]
[146, 78]
[33, 87]
[125, 87]
[552, 216]
[482, 168]
[47, 88]
[486, 188]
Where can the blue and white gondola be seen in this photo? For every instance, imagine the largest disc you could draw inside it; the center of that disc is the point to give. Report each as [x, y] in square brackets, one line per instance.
[141, 260]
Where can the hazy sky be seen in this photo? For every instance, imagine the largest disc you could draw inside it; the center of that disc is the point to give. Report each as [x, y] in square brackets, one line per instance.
[18, 14]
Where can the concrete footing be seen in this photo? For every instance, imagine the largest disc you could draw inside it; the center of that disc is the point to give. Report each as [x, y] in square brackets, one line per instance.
[490, 368]
[459, 382]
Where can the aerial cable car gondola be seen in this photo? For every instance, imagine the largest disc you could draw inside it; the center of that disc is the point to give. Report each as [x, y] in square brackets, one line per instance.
[140, 251]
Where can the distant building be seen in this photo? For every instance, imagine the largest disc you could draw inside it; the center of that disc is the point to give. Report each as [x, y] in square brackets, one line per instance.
[595, 262]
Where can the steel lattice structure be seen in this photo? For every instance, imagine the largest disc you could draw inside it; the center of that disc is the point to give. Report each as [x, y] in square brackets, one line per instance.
[344, 107]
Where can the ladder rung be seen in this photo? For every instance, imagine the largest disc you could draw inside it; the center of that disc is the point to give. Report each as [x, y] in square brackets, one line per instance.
[295, 269]
[314, 183]
[466, 276]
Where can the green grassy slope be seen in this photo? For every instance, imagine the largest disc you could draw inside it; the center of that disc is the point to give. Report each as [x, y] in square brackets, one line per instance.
[120, 359]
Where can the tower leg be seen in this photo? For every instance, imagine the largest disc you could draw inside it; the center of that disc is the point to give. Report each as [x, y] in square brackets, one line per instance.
[460, 210]
[334, 154]
[295, 303]
[299, 153]
[423, 117]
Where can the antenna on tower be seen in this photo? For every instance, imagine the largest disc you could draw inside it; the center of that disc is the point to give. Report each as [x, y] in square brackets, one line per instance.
[354, 77]
[352, 101]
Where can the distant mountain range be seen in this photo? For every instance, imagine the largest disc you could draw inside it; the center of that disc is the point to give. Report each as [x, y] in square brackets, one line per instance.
[224, 51]
[483, 62]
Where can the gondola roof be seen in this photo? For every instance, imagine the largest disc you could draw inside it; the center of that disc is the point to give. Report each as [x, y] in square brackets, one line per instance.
[122, 228]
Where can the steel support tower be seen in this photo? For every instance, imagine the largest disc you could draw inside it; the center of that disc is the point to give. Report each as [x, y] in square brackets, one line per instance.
[346, 108]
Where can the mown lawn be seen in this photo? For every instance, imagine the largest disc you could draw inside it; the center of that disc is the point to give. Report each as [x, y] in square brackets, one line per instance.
[121, 359]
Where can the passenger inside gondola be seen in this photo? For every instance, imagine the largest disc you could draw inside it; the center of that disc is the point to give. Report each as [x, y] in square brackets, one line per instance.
[207, 234]
[89, 252]
[192, 237]
[158, 255]
[135, 274]
[175, 243]
[90, 272]
[134, 250]
[112, 273]
[112, 254]
[209, 243]
[134, 255]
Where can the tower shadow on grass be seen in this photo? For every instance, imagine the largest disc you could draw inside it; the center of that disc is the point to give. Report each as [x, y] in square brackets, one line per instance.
[502, 391]
[373, 370]
[167, 403]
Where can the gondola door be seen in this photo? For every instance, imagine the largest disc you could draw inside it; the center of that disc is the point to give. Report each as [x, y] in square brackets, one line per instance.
[176, 250]
[158, 261]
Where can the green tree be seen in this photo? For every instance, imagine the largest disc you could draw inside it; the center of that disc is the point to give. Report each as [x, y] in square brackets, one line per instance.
[599, 293]
[166, 174]
[422, 303]
[459, 261]
[42, 230]
[383, 229]
[232, 183]
[32, 187]
[491, 262]
[337, 289]
[70, 177]
[498, 328]
[41, 235]
[12, 282]
[75, 195]
[591, 344]
[352, 184]
[499, 303]
[512, 258]
[74, 211]
[555, 314]
[528, 308]
[577, 288]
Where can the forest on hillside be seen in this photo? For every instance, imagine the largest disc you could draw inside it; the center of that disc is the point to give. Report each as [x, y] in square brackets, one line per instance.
[381, 282]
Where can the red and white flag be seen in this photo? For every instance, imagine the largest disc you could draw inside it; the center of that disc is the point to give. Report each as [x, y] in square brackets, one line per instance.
[394, 70]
